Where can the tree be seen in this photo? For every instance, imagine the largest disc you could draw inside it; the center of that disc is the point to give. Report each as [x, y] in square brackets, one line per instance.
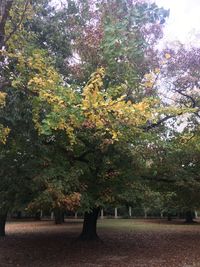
[110, 114]
[181, 78]
[96, 125]
[25, 153]
[187, 189]
[102, 126]
[175, 171]
[7, 31]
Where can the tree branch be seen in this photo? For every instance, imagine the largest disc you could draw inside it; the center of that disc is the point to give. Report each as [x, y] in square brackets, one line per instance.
[17, 25]
[187, 96]
[3, 84]
[158, 123]
[5, 16]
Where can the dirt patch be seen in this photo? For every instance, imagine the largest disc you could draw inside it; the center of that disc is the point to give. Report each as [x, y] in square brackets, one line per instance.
[43, 244]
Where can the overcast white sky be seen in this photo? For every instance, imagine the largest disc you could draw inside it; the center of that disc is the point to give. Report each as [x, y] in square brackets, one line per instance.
[184, 20]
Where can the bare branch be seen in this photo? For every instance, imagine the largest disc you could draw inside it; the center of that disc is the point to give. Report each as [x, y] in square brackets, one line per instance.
[159, 122]
[187, 96]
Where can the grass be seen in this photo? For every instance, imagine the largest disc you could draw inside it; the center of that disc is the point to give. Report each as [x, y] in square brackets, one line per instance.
[144, 225]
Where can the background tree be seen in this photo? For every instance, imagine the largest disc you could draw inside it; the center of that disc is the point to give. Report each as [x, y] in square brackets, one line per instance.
[24, 58]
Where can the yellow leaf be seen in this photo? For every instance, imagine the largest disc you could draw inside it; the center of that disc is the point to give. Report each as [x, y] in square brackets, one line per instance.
[157, 70]
[167, 56]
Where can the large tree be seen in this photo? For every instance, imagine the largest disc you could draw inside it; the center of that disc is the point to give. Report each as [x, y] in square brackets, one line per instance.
[96, 124]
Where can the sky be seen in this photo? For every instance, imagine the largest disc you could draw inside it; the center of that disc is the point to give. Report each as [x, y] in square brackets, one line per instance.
[184, 20]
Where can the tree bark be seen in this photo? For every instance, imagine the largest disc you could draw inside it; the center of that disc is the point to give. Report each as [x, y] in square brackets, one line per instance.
[145, 214]
[59, 218]
[37, 216]
[189, 217]
[3, 217]
[169, 216]
[130, 211]
[89, 231]
[161, 214]
[4, 17]
[19, 215]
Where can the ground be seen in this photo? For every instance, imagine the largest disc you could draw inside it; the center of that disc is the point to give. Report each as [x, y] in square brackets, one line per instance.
[133, 243]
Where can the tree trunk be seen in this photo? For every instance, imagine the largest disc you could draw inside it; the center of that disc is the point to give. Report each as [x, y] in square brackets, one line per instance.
[102, 216]
[59, 216]
[6, 7]
[116, 213]
[63, 217]
[169, 216]
[189, 216]
[37, 216]
[196, 214]
[3, 218]
[145, 214]
[130, 212]
[90, 225]
[19, 215]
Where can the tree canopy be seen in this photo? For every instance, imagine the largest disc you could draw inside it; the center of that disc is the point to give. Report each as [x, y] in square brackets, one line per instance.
[84, 118]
